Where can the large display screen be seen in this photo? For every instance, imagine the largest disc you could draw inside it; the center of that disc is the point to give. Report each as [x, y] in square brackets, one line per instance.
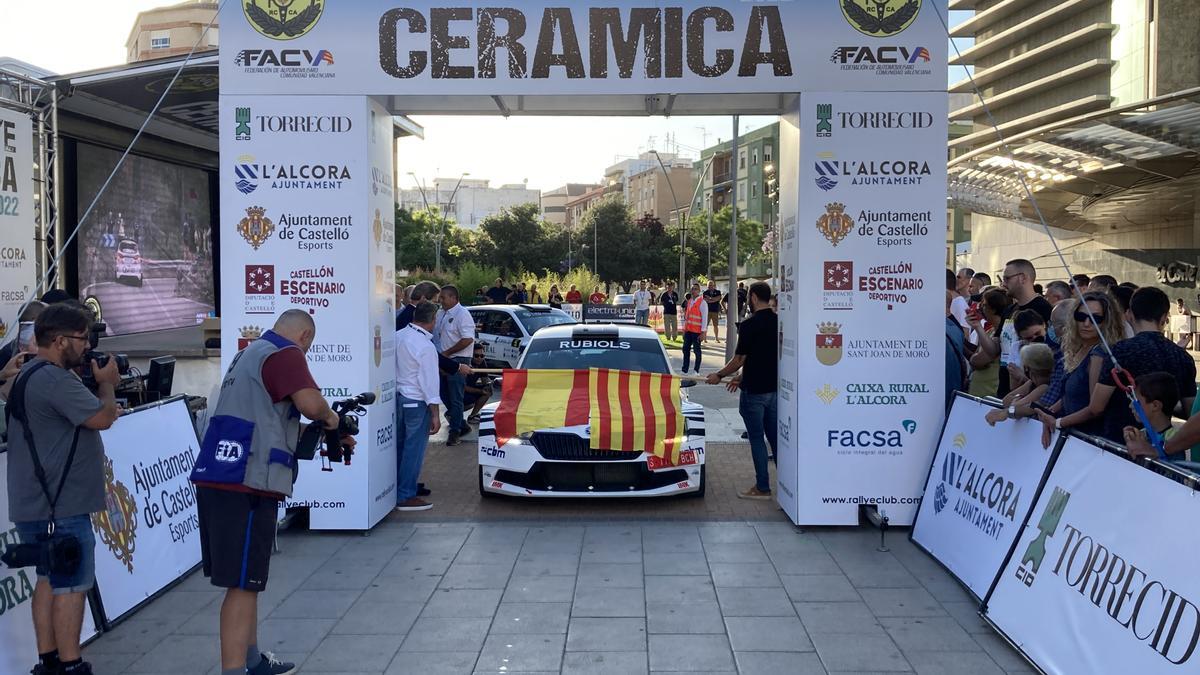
[145, 252]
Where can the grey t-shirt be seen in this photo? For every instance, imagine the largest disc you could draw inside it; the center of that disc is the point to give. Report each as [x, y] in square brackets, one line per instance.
[55, 403]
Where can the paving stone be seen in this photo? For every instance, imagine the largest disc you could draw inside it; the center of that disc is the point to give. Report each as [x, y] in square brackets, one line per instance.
[447, 603]
[602, 634]
[446, 635]
[735, 553]
[680, 589]
[409, 565]
[690, 653]
[1002, 653]
[132, 636]
[767, 634]
[776, 663]
[370, 617]
[610, 575]
[621, 553]
[745, 575]
[179, 654]
[806, 562]
[901, 602]
[546, 564]
[521, 653]
[952, 663]
[886, 572]
[488, 554]
[496, 534]
[754, 602]
[967, 615]
[354, 652]
[540, 589]
[609, 602]
[847, 652]
[837, 617]
[304, 604]
[531, 617]
[696, 617]
[728, 534]
[819, 588]
[433, 663]
[605, 663]
[292, 636]
[416, 588]
[179, 604]
[471, 576]
[928, 634]
[659, 564]
[109, 663]
[673, 540]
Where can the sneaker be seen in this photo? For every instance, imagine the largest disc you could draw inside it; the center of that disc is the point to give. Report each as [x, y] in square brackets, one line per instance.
[270, 665]
[84, 668]
[453, 439]
[414, 504]
[473, 419]
[423, 491]
[754, 493]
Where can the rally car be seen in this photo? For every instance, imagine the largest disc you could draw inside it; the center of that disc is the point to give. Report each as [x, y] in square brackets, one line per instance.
[559, 462]
[128, 263]
[504, 330]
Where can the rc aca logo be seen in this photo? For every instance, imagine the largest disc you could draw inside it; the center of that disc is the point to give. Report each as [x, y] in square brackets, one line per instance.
[283, 19]
[880, 18]
[117, 523]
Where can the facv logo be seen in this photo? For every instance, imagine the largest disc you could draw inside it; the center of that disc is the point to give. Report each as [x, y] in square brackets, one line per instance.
[890, 55]
[1035, 553]
[284, 58]
[824, 120]
[242, 117]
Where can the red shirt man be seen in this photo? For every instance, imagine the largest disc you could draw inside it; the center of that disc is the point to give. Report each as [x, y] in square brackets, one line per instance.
[574, 297]
[597, 298]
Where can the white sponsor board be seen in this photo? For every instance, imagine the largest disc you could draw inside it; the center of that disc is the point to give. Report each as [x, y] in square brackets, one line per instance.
[306, 212]
[980, 487]
[867, 272]
[787, 469]
[17, 252]
[148, 535]
[18, 644]
[1103, 577]
[540, 47]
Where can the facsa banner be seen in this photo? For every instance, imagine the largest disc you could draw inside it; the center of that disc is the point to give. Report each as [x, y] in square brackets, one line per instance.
[979, 489]
[148, 535]
[18, 645]
[449, 48]
[17, 252]
[1103, 578]
[867, 270]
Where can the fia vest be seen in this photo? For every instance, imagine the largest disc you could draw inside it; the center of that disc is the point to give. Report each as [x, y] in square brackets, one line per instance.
[694, 317]
[250, 440]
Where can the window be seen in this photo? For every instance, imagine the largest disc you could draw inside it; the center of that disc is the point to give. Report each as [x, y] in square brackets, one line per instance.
[766, 153]
[754, 158]
[742, 159]
[754, 189]
[160, 39]
[213, 37]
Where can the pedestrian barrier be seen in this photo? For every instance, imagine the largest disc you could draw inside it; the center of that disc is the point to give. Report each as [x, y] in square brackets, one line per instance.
[1097, 575]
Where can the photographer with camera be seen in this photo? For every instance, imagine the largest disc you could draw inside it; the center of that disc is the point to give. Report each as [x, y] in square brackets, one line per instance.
[56, 479]
[246, 466]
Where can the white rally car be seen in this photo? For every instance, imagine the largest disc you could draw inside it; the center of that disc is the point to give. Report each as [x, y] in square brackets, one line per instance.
[559, 462]
[504, 330]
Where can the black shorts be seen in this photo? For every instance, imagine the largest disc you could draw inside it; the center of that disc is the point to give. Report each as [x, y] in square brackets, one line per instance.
[237, 531]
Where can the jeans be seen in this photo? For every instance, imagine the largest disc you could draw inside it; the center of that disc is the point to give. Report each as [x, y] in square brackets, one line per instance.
[691, 341]
[81, 526]
[759, 412]
[641, 317]
[452, 397]
[671, 326]
[412, 427]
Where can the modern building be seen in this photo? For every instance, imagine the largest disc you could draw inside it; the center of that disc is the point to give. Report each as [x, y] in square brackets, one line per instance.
[554, 202]
[756, 153]
[1100, 111]
[467, 201]
[577, 207]
[172, 30]
[653, 194]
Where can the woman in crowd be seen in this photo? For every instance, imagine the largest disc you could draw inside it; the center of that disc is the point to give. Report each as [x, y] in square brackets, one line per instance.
[1083, 358]
[986, 322]
[556, 298]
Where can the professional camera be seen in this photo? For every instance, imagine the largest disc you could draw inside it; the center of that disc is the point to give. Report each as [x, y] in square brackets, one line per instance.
[101, 359]
[334, 452]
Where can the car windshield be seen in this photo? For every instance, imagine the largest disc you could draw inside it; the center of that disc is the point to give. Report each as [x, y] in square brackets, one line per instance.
[128, 247]
[578, 352]
[623, 299]
[535, 320]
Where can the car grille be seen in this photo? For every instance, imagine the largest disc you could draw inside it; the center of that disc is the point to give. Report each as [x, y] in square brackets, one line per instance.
[571, 448]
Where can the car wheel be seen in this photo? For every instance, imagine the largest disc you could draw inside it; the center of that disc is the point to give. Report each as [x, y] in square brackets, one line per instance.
[484, 493]
[699, 494]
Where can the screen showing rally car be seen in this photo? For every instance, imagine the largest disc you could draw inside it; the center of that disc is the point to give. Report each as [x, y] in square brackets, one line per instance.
[145, 252]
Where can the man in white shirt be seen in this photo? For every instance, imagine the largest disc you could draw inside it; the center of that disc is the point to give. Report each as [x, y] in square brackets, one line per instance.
[641, 305]
[417, 402]
[454, 336]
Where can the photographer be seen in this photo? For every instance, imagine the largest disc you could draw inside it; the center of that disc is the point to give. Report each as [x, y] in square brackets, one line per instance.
[246, 466]
[59, 478]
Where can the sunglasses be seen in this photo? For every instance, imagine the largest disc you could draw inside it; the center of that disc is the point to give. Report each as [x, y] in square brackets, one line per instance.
[1083, 316]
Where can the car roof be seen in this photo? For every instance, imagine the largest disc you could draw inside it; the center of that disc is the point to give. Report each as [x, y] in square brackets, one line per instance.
[509, 308]
[622, 330]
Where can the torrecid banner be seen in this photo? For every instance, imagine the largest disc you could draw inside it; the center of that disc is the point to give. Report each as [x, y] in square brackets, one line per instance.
[379, 47]
[862, 399]
[981, 485]
[17, 254]
[148, 535]
[1103, 578]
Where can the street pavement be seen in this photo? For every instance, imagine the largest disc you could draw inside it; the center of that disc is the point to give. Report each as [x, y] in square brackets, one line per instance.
[151, 306]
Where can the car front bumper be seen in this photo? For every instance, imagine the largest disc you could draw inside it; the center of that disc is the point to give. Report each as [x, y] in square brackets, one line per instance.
[590, 479]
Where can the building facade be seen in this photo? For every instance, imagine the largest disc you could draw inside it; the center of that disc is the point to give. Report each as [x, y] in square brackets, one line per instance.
[467, 201]
[577, 207]
[172, 31]
[659, 196]
[756, 156]
[554, 202]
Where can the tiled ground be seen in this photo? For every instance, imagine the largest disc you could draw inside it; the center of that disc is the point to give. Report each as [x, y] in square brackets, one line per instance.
[614, 598]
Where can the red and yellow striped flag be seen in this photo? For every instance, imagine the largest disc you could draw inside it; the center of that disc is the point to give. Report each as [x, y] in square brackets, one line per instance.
[540, 399]
[636, 412]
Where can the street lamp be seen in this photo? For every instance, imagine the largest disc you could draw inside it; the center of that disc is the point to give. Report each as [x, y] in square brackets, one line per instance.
[682, 229]
[441, 235]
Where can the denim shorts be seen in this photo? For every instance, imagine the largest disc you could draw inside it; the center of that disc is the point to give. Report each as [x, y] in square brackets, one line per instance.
[81, 526]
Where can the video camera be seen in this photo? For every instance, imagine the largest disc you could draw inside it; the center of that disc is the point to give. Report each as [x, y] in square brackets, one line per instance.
[98, 329]
[333, 452]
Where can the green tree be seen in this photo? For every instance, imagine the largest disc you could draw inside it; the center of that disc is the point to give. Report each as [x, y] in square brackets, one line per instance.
[521, 240]
[750, 238]
[625, 249]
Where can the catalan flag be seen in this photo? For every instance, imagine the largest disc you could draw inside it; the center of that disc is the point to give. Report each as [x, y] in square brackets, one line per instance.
[636, 412]
[540, 399]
